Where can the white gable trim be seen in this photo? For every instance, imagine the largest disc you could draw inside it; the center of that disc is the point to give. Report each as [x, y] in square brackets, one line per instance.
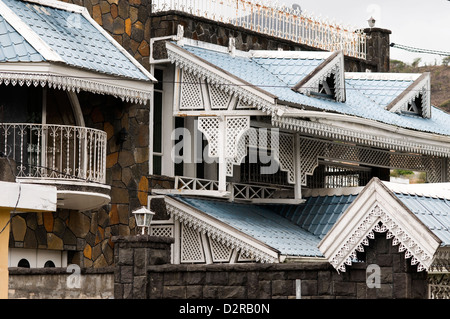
[377, 210]
[221, 231]
[29, 35]
[420, 86]
[333, 64]
[223, 80]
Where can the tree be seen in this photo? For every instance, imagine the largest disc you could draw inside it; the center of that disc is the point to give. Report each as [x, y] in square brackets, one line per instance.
[416, 62]
[446, 60]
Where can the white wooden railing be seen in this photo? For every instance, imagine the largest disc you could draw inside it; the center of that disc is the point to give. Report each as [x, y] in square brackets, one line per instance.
[237, 190]
[50, 151]
[268, 17]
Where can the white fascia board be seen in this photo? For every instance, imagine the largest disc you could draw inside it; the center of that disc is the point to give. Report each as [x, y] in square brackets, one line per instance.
[227, 77]
[29, 35]
[205, 223]
[57, 75]
[337, 119]
[58, 5]
[28, 198]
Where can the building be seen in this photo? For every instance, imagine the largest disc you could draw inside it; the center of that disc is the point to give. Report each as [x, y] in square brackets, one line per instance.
[59, 70]
[263, 142]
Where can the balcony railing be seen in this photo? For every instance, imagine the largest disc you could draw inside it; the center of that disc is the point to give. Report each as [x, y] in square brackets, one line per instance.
[47, 151]
[236, 190]
[275, 20]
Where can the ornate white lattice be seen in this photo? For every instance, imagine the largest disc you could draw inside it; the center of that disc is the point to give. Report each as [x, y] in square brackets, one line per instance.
[379, 221]
[191, 92]
[209, 126]
[241, 105]
[286, 155]
[191, 246]
[236, 150]
[220, 251]
[162, 230]
[219, 99]
[312, 150]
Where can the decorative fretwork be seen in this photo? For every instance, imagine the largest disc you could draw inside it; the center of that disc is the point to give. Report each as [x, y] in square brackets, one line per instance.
[220, 251]
[191, 245]
[209, 126]
[191, 92]
[378, 220]
[439, 286]
[219, 99]
[311, 150]
[235, 151]
[161, 230]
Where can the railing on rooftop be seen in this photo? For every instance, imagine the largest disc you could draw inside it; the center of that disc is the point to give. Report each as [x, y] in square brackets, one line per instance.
[48, 151]
[268, 17]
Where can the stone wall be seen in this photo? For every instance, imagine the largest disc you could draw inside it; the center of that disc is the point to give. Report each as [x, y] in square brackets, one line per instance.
[55, 283]
[143, 271]
[132, 24]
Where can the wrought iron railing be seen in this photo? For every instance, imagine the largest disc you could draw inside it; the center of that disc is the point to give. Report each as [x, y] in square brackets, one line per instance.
[237, 190]
[268, 17]
[51, 151]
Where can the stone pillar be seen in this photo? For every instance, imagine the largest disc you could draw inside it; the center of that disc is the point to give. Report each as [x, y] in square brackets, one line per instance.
[132, 256]
[378, 48]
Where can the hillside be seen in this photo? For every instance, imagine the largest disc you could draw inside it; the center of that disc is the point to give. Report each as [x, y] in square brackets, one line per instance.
[440, 80]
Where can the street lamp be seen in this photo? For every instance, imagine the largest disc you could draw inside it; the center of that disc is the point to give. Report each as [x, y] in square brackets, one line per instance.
[143, 218]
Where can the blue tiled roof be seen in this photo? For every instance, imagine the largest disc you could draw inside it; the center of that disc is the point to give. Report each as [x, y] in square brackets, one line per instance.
[262, 223]
[14, 48]
[433, 212]
[75, 39]
[318, 214]
[276, 77]
[382, 92]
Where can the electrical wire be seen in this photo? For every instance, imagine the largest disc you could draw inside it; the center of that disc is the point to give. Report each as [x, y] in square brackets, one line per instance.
[417, 50]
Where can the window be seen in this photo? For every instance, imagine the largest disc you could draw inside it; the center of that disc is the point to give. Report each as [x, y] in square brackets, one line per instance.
[157, 122]
[23, 263]
[327, 89]
[328, 175]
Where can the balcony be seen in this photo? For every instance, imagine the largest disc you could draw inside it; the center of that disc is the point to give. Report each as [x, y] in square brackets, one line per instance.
[69, 157]
[235, 191]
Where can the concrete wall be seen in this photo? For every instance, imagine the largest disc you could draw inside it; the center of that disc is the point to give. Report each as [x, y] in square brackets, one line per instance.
[60, 283]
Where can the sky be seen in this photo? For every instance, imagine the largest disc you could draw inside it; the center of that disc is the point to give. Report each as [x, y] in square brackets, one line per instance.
[414, 23]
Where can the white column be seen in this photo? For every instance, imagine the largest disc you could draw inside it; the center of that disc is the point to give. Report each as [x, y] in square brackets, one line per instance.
[297, 165]
[222, 134]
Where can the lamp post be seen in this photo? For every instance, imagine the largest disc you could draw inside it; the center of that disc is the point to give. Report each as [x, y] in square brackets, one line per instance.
[143, 218]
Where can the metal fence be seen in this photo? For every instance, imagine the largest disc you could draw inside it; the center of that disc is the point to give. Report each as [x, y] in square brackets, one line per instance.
[271, 18]
[55, 151]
